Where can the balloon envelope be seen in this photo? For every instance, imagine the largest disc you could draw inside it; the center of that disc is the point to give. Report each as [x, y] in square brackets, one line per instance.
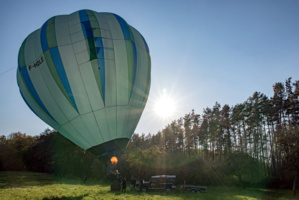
[87, 75]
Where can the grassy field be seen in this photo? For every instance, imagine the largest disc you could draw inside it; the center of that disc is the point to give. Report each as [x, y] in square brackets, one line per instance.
[29, 185]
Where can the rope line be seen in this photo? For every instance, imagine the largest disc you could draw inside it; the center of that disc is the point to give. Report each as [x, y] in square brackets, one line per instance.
[7, 70]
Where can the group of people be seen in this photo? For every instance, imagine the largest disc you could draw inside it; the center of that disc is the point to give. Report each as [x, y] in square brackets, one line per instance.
[133, 184]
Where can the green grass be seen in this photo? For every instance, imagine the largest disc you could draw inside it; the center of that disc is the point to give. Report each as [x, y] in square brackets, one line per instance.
[29, 185]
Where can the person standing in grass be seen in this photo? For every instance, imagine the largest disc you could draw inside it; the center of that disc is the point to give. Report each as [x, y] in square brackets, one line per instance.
[132, 184]
[124, 185]
[84, 178]
[137, 183]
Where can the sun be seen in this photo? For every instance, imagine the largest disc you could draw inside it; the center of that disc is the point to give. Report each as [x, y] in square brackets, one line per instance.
[165, 106]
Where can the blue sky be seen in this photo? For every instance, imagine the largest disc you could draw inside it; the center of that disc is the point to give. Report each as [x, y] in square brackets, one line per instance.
[201, 51]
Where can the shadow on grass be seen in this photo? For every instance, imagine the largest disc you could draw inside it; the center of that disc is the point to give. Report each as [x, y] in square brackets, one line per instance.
[11, 179]
[65, 198]
[271, 194]
[15, 179]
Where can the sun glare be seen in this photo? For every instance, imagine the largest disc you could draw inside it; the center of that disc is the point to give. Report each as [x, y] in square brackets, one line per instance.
[164, 106]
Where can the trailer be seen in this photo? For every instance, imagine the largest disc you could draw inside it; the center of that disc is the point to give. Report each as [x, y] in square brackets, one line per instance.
[194, 188]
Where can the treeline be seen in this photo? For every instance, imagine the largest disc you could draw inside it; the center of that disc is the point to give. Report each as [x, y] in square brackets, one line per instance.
[49, 152]
[254, 143]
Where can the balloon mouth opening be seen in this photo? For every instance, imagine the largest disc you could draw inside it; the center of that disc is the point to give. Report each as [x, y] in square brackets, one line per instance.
[109, 149]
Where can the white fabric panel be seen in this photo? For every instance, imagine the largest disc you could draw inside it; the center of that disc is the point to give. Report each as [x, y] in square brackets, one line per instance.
[106, 34]
[73, 18]
[45, 95]
[127, 122]
[82, 129]
[34, 105]
[102, 21]
[138, 39]
[108, 43]
[121, 120]
[77, 37]
[82, 57]
[136, 92]
[110, 86]
[37, 45]
[29, 49]
[101, 118]
[122, 75]
[141, 74]
[76, 28]
[111, 118]
[115, 28]
[104, 27]
[132, 119]
[72, 134]
[80, 46]
[109, 54]
[93, 127]
[74, 78]
[62, 31]
[77, 32]
[143, 66]
[139, 90]
[92, 90]
[135, 119]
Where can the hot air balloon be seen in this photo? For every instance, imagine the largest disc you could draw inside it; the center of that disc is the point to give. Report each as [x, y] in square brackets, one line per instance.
[88, 76]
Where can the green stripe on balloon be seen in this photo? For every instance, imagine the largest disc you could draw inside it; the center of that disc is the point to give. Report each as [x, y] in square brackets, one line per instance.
[56, 77]
[51, 33]
[95, 68]
[22, 56]
[129, 49]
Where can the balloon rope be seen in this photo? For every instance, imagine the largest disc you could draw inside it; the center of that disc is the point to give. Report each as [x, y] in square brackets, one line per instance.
[7, 70]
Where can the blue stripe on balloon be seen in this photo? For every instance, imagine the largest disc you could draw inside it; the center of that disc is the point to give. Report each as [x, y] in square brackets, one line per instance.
[101, 62]
[43, 37]
[124, 27]
[83, 16]
[33, 91]
[61, 72]
[98, 42]
[28, 104]
[87, 30]
[134, 66]
[86, 25]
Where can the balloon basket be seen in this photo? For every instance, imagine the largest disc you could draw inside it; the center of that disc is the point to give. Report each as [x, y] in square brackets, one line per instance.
[115, 186]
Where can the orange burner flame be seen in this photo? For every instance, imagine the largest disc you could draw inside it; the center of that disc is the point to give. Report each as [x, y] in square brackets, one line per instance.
[114, 160]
